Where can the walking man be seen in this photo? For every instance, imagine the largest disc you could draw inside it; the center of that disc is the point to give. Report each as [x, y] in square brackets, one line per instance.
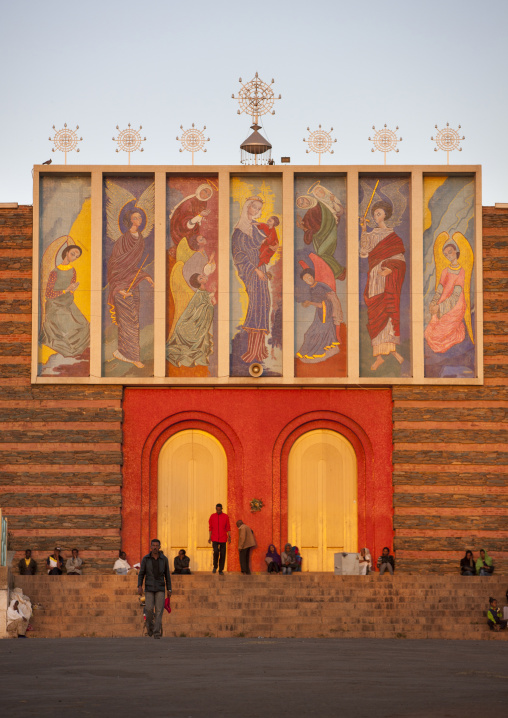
[155, 570]
[219, 531]
[246, 541]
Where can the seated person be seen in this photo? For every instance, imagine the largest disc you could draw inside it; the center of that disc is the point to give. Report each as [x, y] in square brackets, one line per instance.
[386, 562]
[467, 565]
[288, 560]
[365, 561]
[182, 563]
[18, 613]
[273, 560]
[55, 563]
[27, 566]
[496, 623]
[484, 565]
[298, 559]
[74, 565]
[122, 567]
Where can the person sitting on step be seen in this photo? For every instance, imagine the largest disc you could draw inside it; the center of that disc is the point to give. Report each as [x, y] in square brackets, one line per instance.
[55, 563]
[273, 560]
[298, 559]
[365, 561]
[27, 566]
[122, 567]
[182, 563]
[467, 565]
[288, 560]
[74, 565]
[386, 562]
[496, 623]
[18, 613]
[484, 564]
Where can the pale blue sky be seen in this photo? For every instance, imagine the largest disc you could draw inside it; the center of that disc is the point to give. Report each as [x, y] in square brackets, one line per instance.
[162, 64]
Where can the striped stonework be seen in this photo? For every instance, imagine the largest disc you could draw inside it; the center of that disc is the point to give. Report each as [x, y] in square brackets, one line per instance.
[60, 446]
[450, 460]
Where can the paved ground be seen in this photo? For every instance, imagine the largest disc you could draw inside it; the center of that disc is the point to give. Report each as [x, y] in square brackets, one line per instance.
[201, 677]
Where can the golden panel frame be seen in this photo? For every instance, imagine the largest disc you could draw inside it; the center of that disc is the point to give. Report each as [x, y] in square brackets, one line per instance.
[288, 173]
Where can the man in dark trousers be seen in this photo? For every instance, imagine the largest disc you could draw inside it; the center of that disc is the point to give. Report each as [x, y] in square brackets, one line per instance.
[219, 531]
[155, 569]
[246, 541]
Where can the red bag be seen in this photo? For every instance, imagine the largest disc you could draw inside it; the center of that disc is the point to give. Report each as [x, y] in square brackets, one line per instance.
[167, 605]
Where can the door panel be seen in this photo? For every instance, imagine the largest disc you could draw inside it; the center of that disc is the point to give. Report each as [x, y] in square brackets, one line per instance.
[192, 480]
[322, 500]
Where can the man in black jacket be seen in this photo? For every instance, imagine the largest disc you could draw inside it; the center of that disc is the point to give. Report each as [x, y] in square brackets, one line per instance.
[155, 569]
[386, 561]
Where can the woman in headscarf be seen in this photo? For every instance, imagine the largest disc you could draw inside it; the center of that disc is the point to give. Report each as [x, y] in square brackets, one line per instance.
[484, 565]
[245, 245]
[273, 560]
[365, 560]
[298, 559]
[288, 560]
[467, 565]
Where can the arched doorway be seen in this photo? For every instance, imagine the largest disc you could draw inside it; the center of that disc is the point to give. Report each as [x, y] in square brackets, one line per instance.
[322, 498]
[192, 479]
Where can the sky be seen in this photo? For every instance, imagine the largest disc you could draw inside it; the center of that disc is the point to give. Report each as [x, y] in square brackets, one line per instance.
[162, 64]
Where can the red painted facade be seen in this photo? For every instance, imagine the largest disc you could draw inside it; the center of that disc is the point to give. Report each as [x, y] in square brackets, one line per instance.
[257, 428]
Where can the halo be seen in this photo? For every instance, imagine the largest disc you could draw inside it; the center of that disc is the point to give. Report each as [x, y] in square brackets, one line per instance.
[309, 191]
[201, 187]
[121, 216]
[451, 241]
[213, 184]
[65, 243]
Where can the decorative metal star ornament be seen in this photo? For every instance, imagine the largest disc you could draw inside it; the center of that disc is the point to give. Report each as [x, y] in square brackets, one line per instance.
[193, 140]
[447, 140]
[320, 141]
[385, 140]
[65, 140]
[129, 140]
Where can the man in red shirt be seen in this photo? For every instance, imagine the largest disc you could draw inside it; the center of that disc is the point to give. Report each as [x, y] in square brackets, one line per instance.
[219, 532]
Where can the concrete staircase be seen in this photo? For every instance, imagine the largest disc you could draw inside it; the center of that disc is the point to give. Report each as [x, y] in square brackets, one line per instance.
[302, 605]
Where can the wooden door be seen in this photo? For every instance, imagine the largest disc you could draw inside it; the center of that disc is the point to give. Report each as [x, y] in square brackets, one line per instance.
[322, 498]
[192, 480]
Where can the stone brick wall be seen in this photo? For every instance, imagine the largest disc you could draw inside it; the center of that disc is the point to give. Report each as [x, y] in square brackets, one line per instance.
[60, 446]
[450, 457]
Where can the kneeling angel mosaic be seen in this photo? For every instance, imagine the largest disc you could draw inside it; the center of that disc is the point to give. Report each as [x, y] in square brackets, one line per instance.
[64, 334]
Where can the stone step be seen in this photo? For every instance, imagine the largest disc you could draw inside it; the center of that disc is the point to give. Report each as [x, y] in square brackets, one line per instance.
[304, 605]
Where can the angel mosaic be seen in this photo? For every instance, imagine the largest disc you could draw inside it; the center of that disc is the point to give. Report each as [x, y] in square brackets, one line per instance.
[386, 254]
[450, 307]
[129, 221]
[190, 341]
[64, 328]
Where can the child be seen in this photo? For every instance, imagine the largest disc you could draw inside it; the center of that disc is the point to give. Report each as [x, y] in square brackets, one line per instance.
[267, 248]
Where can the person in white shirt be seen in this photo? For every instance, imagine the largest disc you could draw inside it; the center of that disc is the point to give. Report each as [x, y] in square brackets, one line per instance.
[365, 560]
[74, 565]
[18, 613]
[122, 567]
